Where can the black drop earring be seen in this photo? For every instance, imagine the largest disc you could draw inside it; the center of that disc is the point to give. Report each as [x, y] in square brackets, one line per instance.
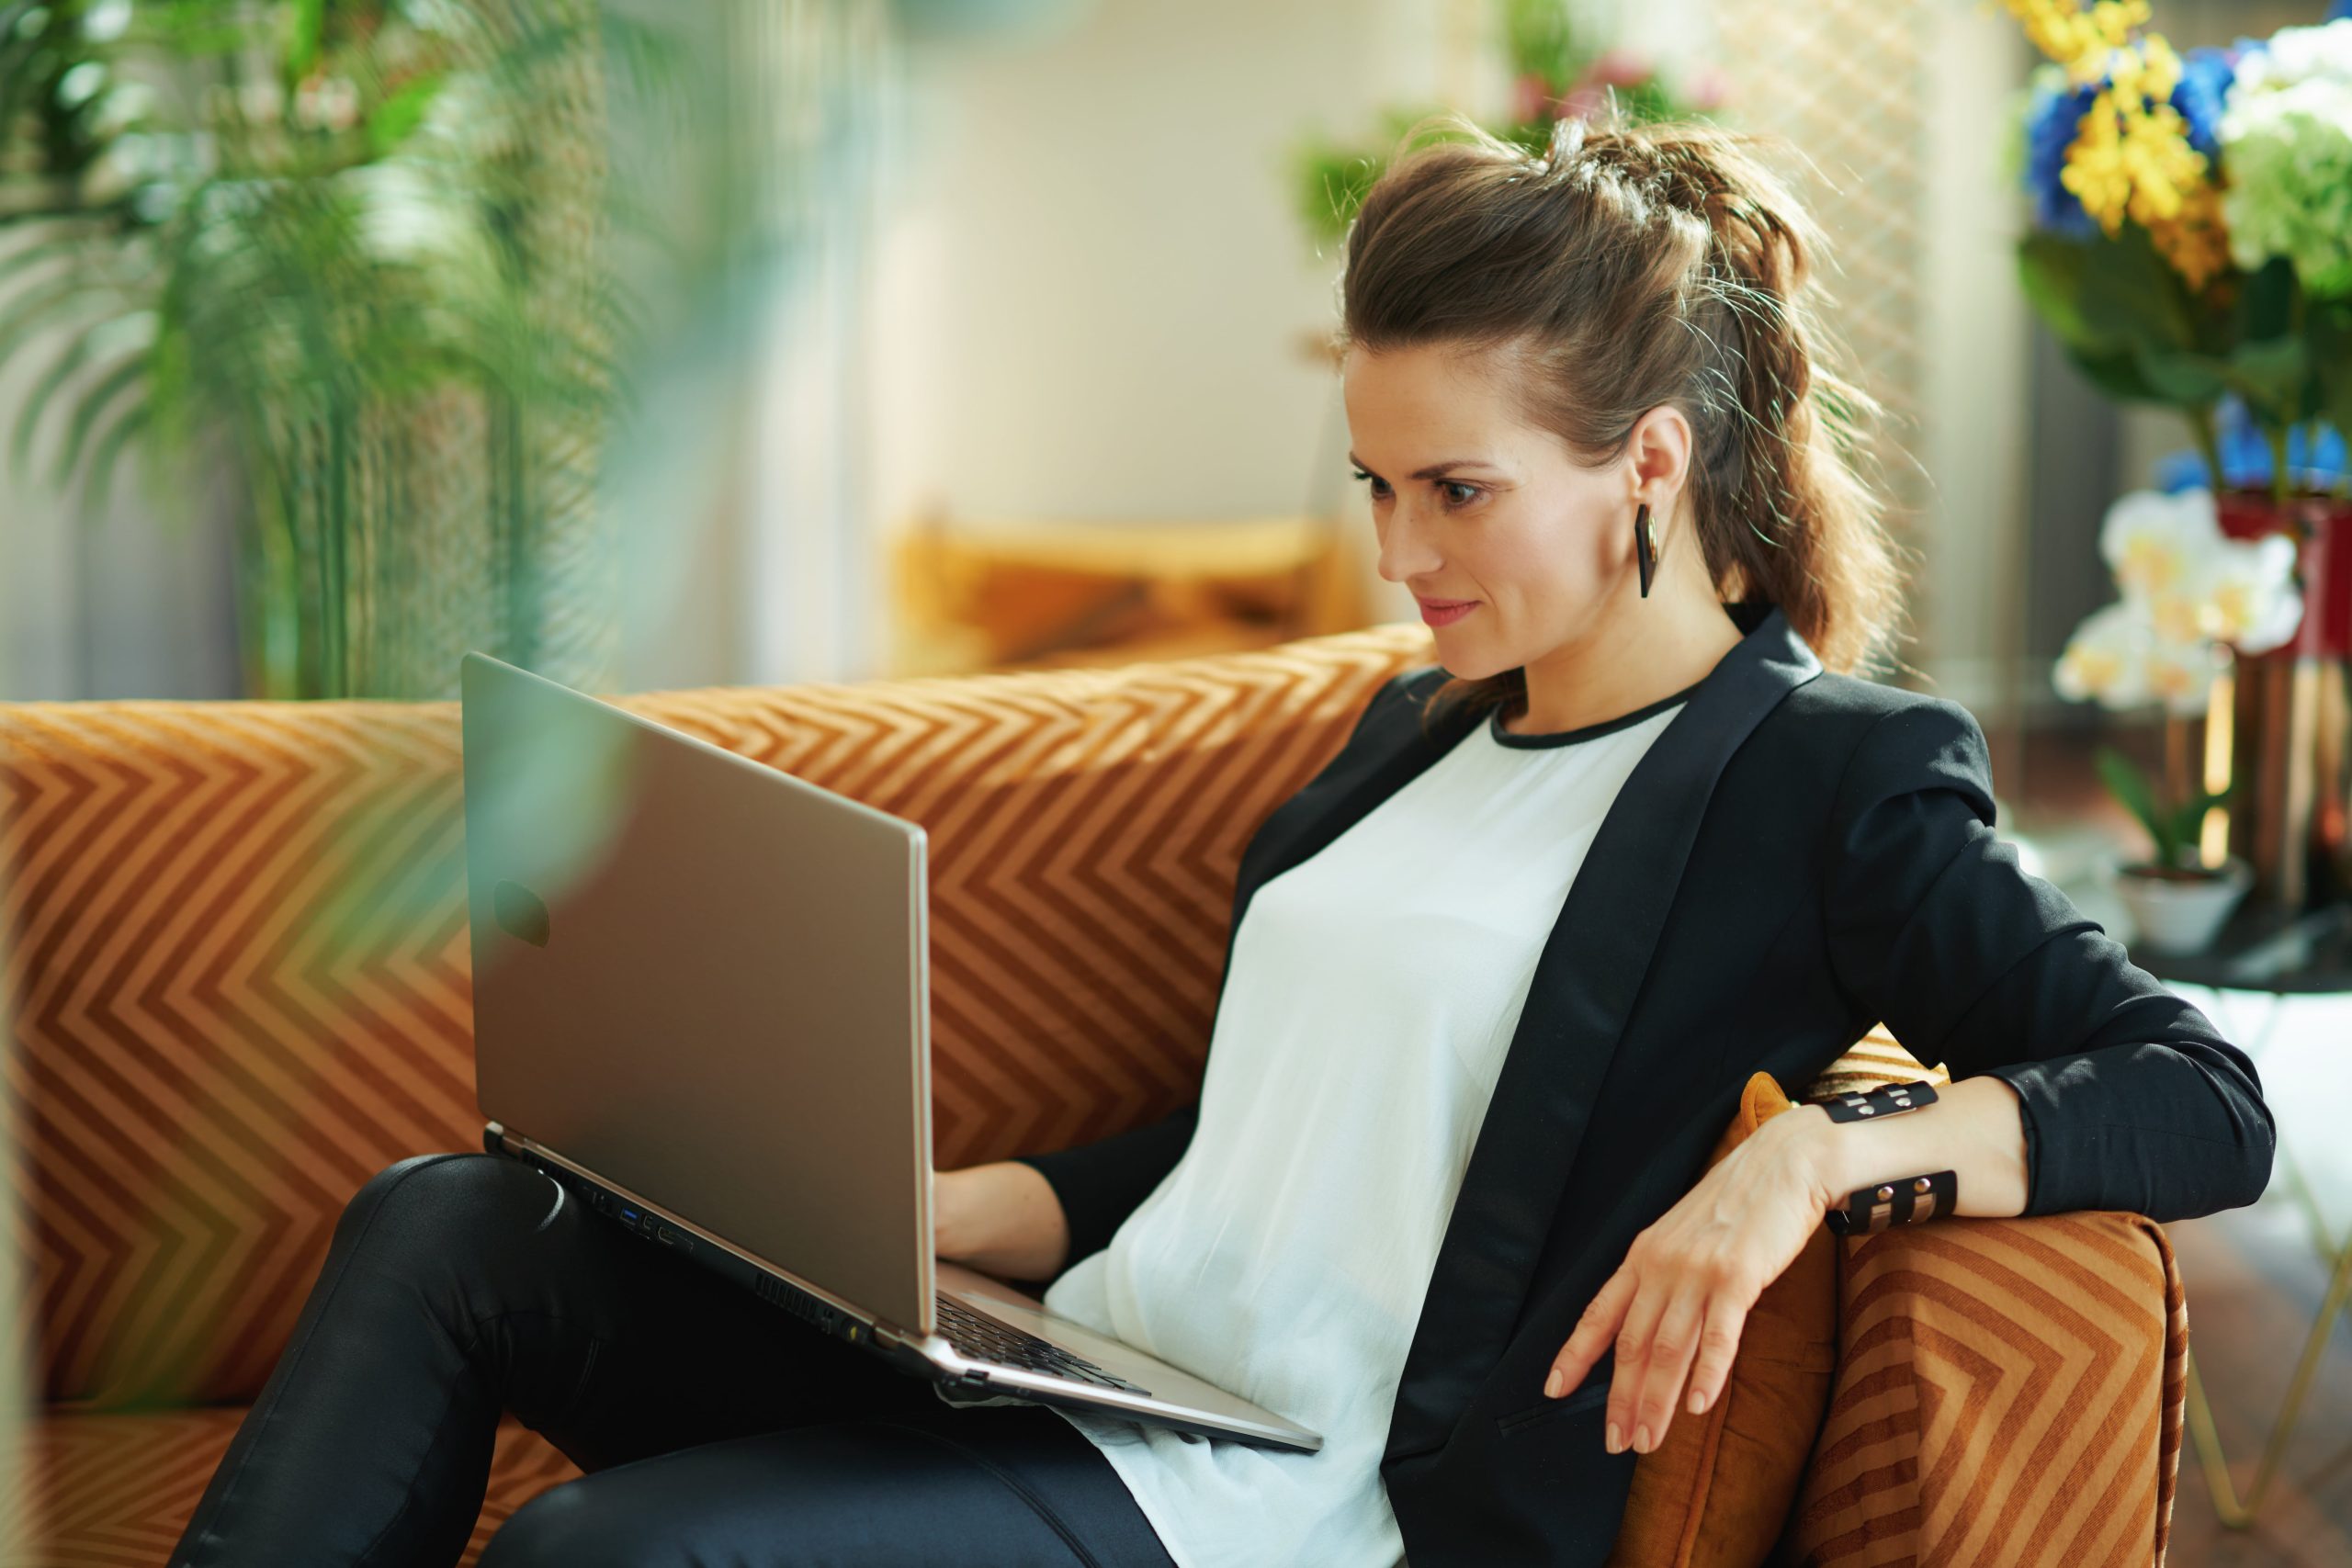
[1645, 545]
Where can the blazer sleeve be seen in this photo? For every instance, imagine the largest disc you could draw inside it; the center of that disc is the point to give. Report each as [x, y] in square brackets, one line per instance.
[1100, 1183]
[2132, 1099]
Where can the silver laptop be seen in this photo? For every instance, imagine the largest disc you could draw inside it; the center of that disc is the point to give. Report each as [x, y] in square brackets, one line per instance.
[701, 1003]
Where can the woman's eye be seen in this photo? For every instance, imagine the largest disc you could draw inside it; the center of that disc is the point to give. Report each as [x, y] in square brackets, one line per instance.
[1380, 486]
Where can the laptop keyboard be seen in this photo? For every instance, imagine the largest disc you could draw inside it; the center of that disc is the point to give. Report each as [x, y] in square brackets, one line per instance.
[985, 1339]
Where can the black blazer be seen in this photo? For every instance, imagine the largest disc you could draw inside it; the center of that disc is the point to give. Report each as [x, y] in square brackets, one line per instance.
[1799, 855]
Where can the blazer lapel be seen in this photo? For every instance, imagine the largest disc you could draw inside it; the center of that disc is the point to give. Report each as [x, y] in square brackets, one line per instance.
[1581, 994]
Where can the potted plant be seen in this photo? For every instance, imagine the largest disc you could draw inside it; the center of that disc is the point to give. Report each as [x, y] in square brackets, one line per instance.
[2190, 246]
[2192, 600]
[1555, 76]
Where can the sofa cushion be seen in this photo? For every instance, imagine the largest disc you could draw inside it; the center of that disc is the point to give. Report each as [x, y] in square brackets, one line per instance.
[115, 1490]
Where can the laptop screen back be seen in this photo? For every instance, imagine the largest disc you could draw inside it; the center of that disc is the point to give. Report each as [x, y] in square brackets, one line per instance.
[702, 979]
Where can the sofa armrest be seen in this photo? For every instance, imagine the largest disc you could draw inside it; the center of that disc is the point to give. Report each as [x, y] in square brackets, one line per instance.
[2040, 1361]
[2001, 1382]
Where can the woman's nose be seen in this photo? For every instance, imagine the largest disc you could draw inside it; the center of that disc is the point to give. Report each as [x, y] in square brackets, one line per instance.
[1404, 550]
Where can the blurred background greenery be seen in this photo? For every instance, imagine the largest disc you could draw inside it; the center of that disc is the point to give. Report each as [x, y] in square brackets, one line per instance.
[351, 255]
[656, 344]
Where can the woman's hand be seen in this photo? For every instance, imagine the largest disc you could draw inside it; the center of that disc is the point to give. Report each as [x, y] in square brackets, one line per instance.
[1690, 1280]
[1001, 1218]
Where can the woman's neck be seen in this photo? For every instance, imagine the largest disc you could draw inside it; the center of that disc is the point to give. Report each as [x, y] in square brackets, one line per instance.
[1640, 658]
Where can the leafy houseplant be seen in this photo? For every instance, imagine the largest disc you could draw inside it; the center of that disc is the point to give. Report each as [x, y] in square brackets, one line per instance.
[2191, 599]
[1554, 76]
[355, 245]
[2190, 247]
[2172, 824]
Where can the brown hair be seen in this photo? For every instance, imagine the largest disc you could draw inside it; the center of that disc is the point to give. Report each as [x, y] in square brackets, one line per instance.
[1623, 268]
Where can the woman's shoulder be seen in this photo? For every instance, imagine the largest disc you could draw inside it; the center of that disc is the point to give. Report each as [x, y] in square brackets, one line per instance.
[1849, 706]
[1878, 735]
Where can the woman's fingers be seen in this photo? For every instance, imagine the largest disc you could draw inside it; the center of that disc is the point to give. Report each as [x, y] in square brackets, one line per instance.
[1631, 1377]
[1677, 1305]
[1718, 1345]
[1672, 1346]
[1593, 1332]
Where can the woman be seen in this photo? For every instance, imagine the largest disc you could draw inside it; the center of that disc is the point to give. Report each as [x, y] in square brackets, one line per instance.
[1515, 950]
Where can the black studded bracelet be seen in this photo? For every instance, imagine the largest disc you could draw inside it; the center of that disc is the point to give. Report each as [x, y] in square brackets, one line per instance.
[1883, 1204]
[1888, 1099]
[1869, 1209]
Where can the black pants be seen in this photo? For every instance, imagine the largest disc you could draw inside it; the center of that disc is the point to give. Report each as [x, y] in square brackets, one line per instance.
[714, 1429]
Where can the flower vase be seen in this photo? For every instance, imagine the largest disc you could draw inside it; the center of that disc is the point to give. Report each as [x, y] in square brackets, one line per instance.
[2290, 712]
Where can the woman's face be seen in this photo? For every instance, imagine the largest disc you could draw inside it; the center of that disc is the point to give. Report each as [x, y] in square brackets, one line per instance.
[1471, 505]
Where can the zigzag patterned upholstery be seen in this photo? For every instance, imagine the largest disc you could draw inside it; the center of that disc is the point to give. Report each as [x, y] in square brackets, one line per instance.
[2008, 1391]
[236, 972]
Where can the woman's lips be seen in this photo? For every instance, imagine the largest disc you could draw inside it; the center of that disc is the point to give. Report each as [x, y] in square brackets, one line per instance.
[1439, 612]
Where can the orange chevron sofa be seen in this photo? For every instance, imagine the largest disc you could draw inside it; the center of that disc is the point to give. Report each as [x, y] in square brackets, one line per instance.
[236, 975]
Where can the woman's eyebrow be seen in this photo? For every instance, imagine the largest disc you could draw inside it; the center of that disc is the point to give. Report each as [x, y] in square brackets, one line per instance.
[1435, 470]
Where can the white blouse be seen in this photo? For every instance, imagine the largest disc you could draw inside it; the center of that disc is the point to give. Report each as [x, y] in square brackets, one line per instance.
[1372, 995]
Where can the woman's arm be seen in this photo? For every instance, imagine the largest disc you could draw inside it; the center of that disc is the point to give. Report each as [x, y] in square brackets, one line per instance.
[1098, 1185]
[1677, 1307]
[1001, 1218]
[1975, 1130]
[2078, 1081]
[2131, 1098]
[1030, 1217]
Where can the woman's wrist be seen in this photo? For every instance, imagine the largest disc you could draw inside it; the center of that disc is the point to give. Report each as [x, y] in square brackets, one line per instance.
[1846, 1156]
[1972, 1129]
[1823, 1152]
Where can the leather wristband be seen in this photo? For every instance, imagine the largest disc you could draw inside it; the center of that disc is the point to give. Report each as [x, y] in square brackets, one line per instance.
[1868, 1210]
[1887, 1100]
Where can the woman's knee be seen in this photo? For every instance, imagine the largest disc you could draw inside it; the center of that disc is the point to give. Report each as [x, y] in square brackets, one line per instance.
[445, 1207]
[566, 1528]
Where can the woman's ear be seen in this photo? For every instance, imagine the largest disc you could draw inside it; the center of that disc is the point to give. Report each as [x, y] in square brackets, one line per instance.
[1658, 451]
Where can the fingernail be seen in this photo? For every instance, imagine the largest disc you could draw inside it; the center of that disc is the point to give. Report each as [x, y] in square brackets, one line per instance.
[1641, 1439]
[1616, 1438]
[1698, 1402]
[1552, 1384]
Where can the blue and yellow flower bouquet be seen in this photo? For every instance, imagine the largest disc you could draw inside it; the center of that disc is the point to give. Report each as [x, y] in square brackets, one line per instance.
[2190, 238]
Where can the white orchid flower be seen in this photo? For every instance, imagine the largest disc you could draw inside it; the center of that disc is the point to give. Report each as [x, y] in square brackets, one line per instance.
[2107, 659]
[2181, 616]
[2180, 674]
[2193, 598]
[2251, 594]
[2156, 543]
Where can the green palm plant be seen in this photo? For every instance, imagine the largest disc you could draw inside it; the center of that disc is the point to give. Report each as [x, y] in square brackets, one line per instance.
[356, 248]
